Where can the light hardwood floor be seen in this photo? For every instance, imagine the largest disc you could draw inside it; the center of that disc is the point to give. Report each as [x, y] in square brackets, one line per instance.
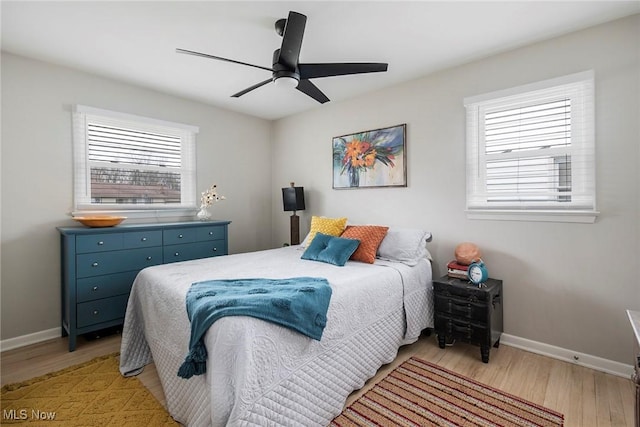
[587, 398]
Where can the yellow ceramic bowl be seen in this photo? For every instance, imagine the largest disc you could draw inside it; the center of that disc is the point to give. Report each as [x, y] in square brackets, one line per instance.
[100, 221]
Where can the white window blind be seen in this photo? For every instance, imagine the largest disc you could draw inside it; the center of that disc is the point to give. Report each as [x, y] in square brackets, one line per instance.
[531, 148]
[125, 162]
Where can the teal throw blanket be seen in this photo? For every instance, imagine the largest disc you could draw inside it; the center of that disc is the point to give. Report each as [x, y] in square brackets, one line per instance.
[299, 303]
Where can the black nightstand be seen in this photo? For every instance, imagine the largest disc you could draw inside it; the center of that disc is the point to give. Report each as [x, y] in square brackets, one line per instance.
[468, 313]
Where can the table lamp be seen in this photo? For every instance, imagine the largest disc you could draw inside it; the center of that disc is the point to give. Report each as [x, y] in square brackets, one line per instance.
[293, 200]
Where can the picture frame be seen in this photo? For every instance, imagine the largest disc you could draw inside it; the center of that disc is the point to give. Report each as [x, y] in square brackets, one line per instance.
[371, 159]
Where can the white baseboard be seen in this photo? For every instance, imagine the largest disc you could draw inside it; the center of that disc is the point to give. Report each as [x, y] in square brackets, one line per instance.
[24, 340]
[582, 359]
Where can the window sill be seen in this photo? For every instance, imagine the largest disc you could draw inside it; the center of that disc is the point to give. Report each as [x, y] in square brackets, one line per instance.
[583, 217]
[141, 214]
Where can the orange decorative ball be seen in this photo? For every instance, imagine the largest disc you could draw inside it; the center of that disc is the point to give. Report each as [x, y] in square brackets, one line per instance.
[466, 253]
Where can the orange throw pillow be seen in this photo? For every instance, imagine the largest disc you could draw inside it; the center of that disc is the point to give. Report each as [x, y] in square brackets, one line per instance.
[370, 237]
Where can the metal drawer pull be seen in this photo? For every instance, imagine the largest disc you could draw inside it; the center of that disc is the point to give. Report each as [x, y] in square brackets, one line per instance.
[179, 236]
[211, 233]
[176, 254]
[95, 288]
[95, 264]
[95, 312]
[100, 243]
[144, 239]
[149, 258]
[215, 249]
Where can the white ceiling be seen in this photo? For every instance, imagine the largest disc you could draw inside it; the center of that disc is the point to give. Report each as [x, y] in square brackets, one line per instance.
[135, 42]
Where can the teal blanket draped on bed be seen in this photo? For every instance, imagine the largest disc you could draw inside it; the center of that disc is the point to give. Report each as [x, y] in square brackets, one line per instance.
[299, 303]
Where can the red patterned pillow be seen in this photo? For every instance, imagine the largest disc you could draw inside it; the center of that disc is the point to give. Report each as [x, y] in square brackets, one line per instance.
[370, 237]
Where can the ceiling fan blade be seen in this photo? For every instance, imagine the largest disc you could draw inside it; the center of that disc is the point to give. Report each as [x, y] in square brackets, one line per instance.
[308, 88]
[311, 71]
[292, 40]
[249, 89]
[204, 55]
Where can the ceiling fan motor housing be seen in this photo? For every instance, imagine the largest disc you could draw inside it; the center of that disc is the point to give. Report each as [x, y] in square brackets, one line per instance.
[281, 70]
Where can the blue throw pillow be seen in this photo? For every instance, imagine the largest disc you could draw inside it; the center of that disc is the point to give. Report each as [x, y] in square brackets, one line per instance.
[330, 249]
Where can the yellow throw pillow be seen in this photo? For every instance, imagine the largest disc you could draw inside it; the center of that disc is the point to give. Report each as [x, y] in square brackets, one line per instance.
[324, 225]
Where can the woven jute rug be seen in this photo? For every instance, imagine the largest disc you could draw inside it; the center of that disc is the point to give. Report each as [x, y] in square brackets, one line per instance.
[90, 394]
[419, 393]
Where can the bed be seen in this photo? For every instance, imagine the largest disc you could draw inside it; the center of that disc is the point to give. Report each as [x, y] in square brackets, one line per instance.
[259, 373]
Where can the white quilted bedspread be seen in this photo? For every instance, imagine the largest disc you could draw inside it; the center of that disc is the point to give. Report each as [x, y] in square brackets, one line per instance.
[262, 374]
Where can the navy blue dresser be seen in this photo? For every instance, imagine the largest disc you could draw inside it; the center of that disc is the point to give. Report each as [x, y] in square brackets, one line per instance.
[100, 264]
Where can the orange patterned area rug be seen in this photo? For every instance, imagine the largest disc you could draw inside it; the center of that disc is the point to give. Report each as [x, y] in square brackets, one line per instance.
[419, 393]
[91, 394]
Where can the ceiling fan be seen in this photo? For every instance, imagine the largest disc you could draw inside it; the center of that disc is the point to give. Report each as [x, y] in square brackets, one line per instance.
[286, 69]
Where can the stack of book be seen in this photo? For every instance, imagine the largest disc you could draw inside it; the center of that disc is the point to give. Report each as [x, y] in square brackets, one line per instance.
[457, 270]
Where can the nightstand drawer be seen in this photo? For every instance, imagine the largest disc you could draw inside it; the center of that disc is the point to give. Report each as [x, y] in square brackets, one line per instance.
[92, 288]
[461, 329]
[97, 264]
[211, 233]
[102, 310]
[460, 307]
[175, 236]
[98, 243]
[143, 239]
[461, 289]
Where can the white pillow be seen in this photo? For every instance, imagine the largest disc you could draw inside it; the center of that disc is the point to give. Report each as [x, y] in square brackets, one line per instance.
[405, 245]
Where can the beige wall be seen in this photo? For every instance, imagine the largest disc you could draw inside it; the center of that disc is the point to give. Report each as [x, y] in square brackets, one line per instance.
[233, 150]
[566, 285]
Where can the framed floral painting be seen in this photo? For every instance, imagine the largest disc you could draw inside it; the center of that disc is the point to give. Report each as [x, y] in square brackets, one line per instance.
[374, 158]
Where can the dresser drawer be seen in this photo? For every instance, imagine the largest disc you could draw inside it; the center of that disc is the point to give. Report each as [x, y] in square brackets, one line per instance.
[175, 236]
[98, 264]
[461, 307]
[99, 243]
[209, 249]
[102, 310]
[210, 233]
[92, 288]
[177, 253]
[142, 239]
[189, 251]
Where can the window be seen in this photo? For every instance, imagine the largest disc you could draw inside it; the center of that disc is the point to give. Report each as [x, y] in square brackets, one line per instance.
[531, 152]
[127, 163]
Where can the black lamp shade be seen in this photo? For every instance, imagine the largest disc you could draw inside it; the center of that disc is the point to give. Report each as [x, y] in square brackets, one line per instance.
[293, 198]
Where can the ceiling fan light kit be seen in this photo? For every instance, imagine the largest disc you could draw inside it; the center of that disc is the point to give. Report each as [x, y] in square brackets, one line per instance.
[286, 82]
[287, 72]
